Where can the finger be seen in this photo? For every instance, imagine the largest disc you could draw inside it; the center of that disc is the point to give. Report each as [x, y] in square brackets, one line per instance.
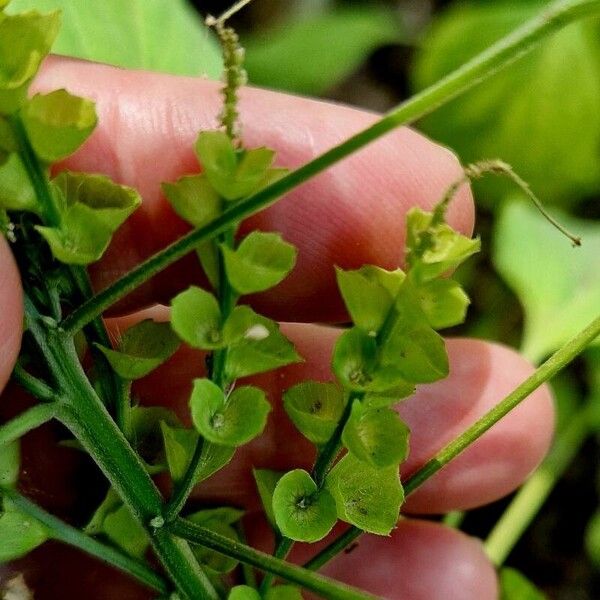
[481, 374]
[351, 215]
[419, 561]
[11, 314]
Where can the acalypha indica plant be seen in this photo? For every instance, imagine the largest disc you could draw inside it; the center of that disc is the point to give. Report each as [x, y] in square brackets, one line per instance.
[58, 225]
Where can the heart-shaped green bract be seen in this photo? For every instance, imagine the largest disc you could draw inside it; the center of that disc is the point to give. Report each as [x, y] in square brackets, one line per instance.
[376, 436]
[302, 511]
[366, 497]
[231, 420]
[142, 349]
[315, 409]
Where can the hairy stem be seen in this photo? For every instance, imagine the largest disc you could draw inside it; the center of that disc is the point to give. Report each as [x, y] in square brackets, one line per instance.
[84, 414]
[62, 532]
[325, 587]
[480, 68]
[36, 387]
[544, 373]
[31, 419]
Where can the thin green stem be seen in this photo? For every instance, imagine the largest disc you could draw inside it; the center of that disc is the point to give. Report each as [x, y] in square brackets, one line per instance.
[62, 532]
[480, 68]
[544, 373]
[36, 387]
[282, 549]
[325, 587]
[35, 172]
[331, 449]
[31, 419]
[454, 519]
[531, 497]
[184, 488]
[123, 406]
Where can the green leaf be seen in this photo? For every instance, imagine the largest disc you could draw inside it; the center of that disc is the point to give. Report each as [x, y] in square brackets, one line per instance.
[143, 348]
[355, 364]
[214, 457]
[93, 207]
[261, 261]
[557, 285]
[218, 520]
[179, 444]
[10, 462]
[369, 294]
[302, 511]
[266, 482]
[515, 586]
[256, 344]
[19, 535]
[366, 497]
[145, 431]
[25, 40]
[285, 58]
[132, 34]
[194, 199]
[419, 355]
[234, 174]
[243, 592]
[283, 592]
[124, 531]
[508, 117]
[58, 123]
[433, 249]
[110, 503]
[196, 318]
[16, 191]
[315, 409]
[231, 421]
[376, 436]
[444, 302]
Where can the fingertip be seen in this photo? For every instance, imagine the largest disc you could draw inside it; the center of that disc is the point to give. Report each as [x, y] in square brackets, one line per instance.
[419, 561]
[11, 313]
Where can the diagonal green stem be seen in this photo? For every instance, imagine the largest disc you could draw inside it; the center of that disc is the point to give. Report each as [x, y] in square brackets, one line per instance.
[480, 68]
[531, 497]
[31, 419]
[325, 587]
[62, 532]
[544, 373]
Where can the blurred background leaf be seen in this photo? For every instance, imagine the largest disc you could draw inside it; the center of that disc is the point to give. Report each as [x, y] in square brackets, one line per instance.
[313, 54]
[157, 35]
[540, 115]
[558, 285]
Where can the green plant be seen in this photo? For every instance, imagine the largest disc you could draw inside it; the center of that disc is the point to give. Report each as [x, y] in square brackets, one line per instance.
[392, 346]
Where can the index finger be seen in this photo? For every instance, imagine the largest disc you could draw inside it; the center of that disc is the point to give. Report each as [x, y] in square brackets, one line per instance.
[351, 215]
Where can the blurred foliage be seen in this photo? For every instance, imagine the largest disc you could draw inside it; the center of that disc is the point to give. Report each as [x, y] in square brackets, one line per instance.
[540, 115]
[557, 285]
[132, 34]
[312, 55]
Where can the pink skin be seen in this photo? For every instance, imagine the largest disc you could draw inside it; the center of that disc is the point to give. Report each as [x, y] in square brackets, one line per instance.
[349, 216]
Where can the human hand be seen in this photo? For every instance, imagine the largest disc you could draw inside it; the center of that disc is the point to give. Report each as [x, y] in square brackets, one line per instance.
[351, 215]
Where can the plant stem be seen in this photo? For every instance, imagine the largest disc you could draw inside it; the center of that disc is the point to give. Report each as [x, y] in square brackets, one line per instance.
[282, 549]
[87, 418]
[31, 419]
[184, 488]
[531, 497]
[36, 387]
[62, 532]
[480, 68]
[323, 586]
[454, 519]
[545, 372]
[123, 406]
